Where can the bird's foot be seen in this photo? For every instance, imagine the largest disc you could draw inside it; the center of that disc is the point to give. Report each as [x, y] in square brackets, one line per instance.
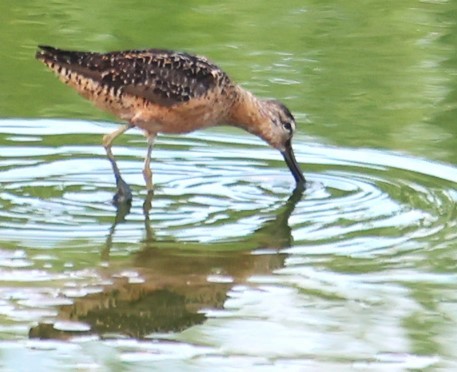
[123, 194]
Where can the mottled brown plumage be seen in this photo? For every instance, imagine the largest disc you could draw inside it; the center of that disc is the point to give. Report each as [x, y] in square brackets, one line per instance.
[163, 91]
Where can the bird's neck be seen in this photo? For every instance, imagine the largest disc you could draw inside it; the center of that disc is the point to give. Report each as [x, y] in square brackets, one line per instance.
[250, 113]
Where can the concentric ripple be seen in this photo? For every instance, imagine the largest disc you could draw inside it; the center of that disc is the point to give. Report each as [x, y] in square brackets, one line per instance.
[384, 201]
[211, 187]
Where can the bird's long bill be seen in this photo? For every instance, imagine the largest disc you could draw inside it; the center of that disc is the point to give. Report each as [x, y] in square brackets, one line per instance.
[289, 157]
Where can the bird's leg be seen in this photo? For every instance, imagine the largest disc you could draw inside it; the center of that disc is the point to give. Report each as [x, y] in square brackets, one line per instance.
[123, 193]
[147, 173]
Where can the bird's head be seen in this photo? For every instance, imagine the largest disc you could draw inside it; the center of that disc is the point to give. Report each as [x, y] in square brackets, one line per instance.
[279, 132]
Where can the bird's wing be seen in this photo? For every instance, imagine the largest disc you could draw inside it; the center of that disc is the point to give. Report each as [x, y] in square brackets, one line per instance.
[159, 76]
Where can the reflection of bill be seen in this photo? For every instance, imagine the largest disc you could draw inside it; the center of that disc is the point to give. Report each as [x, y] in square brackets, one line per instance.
[176, 284]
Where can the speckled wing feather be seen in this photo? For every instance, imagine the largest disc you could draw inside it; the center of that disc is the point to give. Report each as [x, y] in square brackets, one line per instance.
[160, 76]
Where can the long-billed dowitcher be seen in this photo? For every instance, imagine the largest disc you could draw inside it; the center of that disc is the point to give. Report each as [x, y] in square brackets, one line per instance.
[163, 91]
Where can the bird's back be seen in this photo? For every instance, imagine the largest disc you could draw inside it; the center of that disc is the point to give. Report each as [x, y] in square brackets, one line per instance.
[161, 76]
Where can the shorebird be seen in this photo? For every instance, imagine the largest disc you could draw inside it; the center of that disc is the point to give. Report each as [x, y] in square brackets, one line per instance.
[164, 91]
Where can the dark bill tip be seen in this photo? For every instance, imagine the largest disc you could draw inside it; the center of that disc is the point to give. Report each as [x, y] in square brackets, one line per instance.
[291, 162]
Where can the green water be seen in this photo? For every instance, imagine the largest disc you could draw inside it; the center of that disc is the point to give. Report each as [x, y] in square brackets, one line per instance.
[230, 268]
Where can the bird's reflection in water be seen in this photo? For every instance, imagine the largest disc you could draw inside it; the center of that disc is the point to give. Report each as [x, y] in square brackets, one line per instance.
[177, 285]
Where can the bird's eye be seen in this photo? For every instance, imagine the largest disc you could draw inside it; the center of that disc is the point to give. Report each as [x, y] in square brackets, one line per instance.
[287, 126]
